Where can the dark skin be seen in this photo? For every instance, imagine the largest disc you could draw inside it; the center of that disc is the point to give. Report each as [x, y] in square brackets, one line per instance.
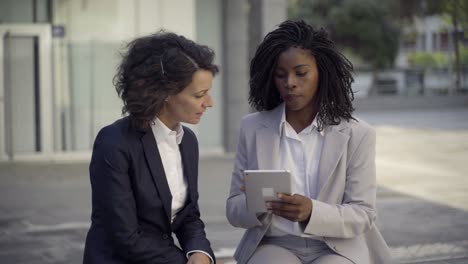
[295, 208]
[296, 78]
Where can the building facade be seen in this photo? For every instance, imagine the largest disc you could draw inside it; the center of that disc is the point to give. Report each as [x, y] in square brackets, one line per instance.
[58, 58]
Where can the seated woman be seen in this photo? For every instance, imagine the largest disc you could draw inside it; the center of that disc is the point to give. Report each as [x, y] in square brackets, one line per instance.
[144, 167]
[301, 86]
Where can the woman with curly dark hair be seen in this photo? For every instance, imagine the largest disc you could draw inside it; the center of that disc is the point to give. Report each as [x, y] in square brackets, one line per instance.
[301, 85]
[144, 167]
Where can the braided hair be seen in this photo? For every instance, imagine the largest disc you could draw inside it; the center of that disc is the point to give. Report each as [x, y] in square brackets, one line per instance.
[334, 93]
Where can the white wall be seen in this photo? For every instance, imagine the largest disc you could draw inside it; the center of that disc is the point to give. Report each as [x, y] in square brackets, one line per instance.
[87, 57]
[428, 26]
[209, 32]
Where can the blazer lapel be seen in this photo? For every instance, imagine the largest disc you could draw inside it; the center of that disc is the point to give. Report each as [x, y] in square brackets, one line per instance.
[187, 168]
[268, 147]
[334, 144]
[268, 140]
[157, 170]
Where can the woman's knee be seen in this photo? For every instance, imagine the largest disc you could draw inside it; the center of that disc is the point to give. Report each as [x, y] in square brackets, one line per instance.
[332, 259]
[274, 255]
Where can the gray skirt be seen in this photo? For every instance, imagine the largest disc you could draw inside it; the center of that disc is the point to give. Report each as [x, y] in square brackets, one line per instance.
[306, 249]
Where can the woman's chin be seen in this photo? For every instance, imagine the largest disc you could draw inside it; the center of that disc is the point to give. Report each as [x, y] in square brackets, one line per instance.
[194, 121]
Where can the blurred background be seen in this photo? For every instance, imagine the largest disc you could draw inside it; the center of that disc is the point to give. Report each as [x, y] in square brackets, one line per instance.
[58, 58]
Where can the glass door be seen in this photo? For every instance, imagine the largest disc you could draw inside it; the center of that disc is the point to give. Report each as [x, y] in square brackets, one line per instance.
[26, 94]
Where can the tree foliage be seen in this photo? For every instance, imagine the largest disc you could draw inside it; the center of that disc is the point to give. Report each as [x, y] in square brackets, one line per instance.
[464, 56]
[458, 8]
[365, 26]
[457, 11]
[428, 60]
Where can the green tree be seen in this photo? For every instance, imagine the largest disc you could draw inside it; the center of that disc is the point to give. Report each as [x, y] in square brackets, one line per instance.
[315, 12]
[464, 56]
[362, 25]
[365, 26]
[455, 10]
[428, 60]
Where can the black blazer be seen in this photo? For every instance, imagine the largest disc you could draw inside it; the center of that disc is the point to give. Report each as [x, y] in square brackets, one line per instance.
[131, 200]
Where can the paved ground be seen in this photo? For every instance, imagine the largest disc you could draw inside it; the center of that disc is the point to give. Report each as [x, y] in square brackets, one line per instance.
[422, 198]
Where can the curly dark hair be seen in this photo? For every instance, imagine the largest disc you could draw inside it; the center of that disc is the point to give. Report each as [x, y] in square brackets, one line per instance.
[154, 67]
[335, 71]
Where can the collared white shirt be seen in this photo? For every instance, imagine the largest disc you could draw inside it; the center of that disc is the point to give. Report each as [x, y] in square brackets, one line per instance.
[168, 144]
[300, 154]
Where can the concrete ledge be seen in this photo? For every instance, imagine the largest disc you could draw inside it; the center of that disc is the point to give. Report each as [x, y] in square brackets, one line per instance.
[374, 103]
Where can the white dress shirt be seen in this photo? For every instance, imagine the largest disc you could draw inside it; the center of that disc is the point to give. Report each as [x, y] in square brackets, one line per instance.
[300, 154]
[168, 144]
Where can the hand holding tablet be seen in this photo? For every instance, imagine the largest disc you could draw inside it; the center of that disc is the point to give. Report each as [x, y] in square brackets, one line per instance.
[264, 185]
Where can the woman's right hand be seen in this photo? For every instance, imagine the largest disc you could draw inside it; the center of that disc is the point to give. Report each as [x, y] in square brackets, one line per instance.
[242, 188]
[296, 208]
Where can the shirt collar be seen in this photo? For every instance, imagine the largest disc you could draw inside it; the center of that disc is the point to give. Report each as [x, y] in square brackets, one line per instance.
[308, 129]
[162, 132]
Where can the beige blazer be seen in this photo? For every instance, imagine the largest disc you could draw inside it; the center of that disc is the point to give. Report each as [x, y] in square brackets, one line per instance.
[343, 214]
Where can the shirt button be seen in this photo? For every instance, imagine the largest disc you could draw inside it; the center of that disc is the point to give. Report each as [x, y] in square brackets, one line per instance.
[165, 236]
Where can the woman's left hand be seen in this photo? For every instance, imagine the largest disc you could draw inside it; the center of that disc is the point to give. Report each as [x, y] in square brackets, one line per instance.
[199, 258]
[296, 208]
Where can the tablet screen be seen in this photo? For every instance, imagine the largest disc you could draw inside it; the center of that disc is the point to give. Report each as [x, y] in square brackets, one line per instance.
[264, 185]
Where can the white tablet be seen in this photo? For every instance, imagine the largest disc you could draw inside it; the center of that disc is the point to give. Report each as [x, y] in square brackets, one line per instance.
[264, 185]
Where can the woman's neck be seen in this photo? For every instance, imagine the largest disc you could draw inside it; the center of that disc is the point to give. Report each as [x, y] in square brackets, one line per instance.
[300, 119]
[171, 124]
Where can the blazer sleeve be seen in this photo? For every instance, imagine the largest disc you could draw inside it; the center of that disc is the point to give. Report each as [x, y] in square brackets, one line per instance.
[113, 195]
[191, 229]
[236, 205]
[191, 234]
[356, 214]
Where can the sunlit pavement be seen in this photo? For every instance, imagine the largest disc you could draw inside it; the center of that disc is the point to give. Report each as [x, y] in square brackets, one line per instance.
[422, 163]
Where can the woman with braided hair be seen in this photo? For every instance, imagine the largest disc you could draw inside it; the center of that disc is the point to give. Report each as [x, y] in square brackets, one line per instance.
[144, 167]
[300, 84]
